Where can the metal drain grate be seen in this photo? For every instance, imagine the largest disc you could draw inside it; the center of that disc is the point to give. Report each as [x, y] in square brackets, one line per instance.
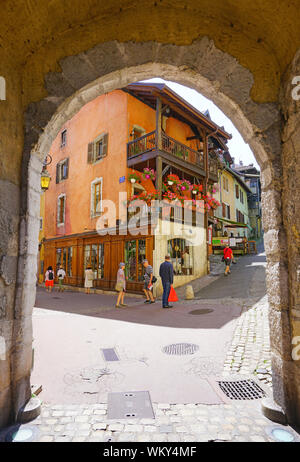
[202, 311]
[242, 390]
[180, 349]
[110, 354]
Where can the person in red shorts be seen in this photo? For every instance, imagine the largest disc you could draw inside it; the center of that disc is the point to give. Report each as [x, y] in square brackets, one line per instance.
[49, 279]
[228, 257]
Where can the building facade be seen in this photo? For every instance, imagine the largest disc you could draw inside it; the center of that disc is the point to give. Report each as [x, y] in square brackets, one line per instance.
[125, 145]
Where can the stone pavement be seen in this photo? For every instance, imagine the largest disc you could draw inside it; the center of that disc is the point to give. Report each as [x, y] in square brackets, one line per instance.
[241, 421]
[242, 310]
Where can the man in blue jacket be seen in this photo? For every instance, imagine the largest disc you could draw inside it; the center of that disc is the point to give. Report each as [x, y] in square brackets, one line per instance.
[166, 273]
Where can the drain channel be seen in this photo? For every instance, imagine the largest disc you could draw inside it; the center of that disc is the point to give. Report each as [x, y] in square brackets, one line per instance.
[242, 390]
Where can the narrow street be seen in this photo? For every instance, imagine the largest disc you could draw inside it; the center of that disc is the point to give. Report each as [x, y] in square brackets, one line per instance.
[227, 326]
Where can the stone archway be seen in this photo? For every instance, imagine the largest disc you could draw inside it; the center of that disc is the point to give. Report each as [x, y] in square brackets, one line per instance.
[217, 76]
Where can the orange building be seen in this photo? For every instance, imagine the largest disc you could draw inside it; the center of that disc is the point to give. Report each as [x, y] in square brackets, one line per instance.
[143, 126]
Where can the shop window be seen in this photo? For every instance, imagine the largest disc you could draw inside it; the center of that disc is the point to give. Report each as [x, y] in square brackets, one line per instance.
[181, 253]
[64, 258]
[135, 253]
[94, 257]
[98, 148]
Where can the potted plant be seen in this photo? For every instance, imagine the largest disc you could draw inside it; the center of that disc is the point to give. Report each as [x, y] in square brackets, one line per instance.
[172, 179]
[148, 174]
[184, 186]
[134, 177]
[196, 189]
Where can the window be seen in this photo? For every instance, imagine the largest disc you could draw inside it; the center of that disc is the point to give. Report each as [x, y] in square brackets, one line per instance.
[226, 211]
[62, 170]
[94, 257]
[63, 138]
[225, 184]
[61, 206]
[64, 258]
[181, 253]
[135, 253]
[41, 223]
[237, 191]
[96, 197]
[241, 196]
[97, 149]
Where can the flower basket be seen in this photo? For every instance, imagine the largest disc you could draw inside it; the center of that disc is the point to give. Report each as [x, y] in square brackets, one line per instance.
[172, 179]
[134, 177]
[148, 174]
[184, 186]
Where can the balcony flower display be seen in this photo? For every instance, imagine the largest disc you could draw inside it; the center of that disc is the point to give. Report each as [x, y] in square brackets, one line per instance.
[170, 196]
[134, 177]
[172, 179]
[184, 185]
[196, 189]
[144, 197]
[148, 174]
[214, 188]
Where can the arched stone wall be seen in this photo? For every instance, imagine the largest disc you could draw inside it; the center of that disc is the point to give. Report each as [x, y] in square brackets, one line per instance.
[216, 75]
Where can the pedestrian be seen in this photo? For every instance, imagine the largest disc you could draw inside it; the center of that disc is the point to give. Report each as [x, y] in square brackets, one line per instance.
[227, 258]
[148, 284]
[88, 281]
[166, 273]
[121, 285]
[49, 279]
[61, 274]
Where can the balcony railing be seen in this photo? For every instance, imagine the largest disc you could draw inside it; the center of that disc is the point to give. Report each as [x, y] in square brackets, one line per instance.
[142, 144]
[171, 146]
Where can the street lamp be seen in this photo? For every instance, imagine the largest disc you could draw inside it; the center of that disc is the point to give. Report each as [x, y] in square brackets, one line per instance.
[45, 176]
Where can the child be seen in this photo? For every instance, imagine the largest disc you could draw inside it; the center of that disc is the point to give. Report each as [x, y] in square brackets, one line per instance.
[49, 279]
[61, 274]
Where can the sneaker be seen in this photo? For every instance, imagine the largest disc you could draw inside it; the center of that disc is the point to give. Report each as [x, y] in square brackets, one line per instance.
[152, 301]
[147, 301]
[118, 306]
[123, 304]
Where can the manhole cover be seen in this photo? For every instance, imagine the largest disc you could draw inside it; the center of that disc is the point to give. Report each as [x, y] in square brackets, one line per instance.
[129, 405]
[180, 349]
[242, 390]
[201, 311]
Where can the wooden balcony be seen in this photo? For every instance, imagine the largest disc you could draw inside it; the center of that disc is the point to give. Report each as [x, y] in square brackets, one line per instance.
[173, 152]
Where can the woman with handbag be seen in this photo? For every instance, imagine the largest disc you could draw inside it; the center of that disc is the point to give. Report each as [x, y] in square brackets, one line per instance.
[121, 285]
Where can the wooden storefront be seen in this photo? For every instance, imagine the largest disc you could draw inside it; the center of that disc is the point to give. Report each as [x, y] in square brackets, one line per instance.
[103, 253]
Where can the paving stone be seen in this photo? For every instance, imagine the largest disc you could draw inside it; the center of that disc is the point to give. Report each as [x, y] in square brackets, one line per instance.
[115, 427]
[100, 426]
[133, 428]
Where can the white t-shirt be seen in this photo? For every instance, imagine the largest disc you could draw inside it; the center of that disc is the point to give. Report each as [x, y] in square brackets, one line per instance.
[61, 274]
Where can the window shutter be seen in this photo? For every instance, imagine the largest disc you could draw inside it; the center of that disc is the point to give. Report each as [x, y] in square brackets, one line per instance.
[57, 173]
[224, 210]
[67, 168]
[90, 154]
[105, 142]
[236, 191]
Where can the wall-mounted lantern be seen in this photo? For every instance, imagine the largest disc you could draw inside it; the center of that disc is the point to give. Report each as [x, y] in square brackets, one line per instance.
[45, 176]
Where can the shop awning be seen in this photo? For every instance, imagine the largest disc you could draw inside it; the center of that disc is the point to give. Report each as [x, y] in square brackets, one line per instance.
[232, 224]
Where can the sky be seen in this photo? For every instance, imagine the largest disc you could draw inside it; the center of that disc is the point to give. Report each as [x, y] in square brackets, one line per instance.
[237, 146]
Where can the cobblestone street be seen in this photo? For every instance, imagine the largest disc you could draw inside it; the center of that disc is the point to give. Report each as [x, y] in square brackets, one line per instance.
[232, 340]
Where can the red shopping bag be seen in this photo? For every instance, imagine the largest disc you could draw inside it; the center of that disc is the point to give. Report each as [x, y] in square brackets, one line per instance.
[172, 295]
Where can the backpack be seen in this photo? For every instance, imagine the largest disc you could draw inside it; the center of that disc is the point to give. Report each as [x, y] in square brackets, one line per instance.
[50, 276]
